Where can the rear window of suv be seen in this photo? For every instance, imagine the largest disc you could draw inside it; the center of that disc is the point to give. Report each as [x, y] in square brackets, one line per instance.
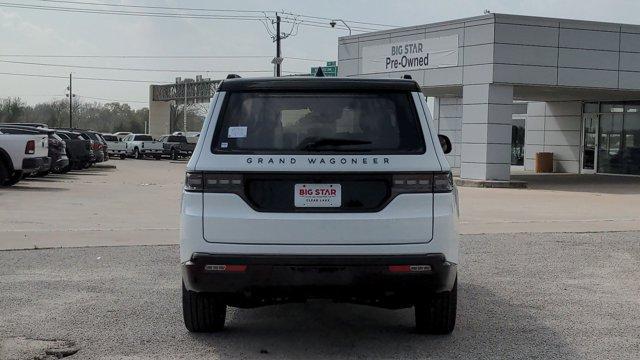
[305, 122]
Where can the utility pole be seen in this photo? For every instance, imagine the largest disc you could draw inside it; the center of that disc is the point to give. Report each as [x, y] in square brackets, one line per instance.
[278, 61]
[71, 95]
[184, 109]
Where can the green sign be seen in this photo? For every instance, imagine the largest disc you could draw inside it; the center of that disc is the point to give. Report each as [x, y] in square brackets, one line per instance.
[330, 70]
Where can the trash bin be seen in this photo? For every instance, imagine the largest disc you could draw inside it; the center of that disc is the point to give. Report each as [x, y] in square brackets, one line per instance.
[544, 162]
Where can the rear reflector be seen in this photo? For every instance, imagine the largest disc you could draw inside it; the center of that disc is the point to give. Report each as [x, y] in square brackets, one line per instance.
[226, 268]
[409, 268]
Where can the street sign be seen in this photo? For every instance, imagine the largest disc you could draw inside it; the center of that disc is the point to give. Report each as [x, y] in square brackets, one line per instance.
[326, 70]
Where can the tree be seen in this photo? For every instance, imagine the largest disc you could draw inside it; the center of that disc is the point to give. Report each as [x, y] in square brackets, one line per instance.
[11, 109]
[110, 117]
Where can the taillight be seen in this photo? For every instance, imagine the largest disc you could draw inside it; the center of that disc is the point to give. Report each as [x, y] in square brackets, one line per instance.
[214, 182]
[194, 181]
[30, 148]
[423, 183]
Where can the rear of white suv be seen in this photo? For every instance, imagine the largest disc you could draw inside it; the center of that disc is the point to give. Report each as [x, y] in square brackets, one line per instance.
[306, 188]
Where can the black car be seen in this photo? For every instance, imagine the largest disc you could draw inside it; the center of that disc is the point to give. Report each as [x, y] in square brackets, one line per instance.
[78, 149]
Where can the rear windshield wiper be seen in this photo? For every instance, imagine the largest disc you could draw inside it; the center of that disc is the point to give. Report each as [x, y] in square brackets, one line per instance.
[314, 143]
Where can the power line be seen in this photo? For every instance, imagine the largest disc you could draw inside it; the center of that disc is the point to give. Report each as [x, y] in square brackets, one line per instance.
[97, 78]
[170, 15]
[116, 100]
[131, 69]
[82, 78]
[131, 13]
[158, 56]
[209, 10]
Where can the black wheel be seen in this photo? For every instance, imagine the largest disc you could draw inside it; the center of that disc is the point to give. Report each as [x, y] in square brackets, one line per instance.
[65, 169]
[157, 157]
[42, 173]
[137, 154]
[14, 178]
[174, 154]
[437, 314]
[202, 312]
[123, 156]
[4, 173]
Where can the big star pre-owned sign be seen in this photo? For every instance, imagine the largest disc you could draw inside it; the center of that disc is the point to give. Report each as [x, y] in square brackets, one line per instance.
[411, 55]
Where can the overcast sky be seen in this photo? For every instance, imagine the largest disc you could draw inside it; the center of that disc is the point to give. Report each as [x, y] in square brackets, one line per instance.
[38, 32]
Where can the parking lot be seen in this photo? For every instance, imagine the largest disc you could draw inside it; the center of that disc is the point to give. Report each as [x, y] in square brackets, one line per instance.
[529, 293]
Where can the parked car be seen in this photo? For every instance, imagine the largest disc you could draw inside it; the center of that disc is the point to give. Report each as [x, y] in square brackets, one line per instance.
[115, 146]
[22, 154]
[30, 124]
[330, 188]
[122, 134]
[141, 145]
[98, 145]
[78, 149]
[176, 146]
[101, 143]
[57, 147]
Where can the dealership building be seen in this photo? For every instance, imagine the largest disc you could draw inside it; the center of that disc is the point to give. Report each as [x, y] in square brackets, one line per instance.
[507, 87]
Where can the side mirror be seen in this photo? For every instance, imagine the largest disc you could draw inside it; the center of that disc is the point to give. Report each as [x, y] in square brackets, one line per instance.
[445, 143]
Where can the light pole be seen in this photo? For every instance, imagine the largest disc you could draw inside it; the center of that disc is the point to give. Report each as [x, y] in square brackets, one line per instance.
[334, 22]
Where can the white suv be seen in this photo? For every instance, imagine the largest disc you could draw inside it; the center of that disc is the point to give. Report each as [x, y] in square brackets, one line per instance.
[331, 188]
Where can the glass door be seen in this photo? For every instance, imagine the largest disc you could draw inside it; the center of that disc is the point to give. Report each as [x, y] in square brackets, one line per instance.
[610, 140]
[589, 143]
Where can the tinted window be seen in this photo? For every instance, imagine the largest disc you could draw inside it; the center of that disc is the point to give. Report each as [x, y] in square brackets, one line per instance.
[143, 138]
[110, 137]
[289, 122]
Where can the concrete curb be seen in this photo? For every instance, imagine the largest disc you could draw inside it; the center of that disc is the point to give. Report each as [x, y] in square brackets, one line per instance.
[513, 184]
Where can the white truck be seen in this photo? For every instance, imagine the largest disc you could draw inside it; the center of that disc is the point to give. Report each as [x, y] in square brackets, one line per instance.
[141, 145]
[21, 155]
[303, 188]
[115, 146]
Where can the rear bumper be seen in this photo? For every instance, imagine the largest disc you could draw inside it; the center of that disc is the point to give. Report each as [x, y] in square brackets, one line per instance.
[62, 163]
[270, 279]
[36, 164]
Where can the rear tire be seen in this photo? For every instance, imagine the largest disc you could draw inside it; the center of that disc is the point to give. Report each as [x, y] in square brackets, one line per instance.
[42, 173]
[4, 174]
[14, 178]
[437, 314]
[123, 156]
[202, 312]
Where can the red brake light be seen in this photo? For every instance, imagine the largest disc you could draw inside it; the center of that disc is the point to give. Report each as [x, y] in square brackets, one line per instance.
[226, 268]
[30, 148]
[409, 268]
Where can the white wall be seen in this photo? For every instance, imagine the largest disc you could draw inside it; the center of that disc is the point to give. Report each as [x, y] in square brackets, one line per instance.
[554, 127]
[447, 115]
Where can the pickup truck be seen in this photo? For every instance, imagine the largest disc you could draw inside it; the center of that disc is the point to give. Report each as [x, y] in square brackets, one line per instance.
[176, 146]
[22, 154]
[57, 147]
[141, 145]
[115, 147]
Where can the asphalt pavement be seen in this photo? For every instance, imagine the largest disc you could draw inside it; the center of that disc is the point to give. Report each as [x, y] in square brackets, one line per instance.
[522, 296]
